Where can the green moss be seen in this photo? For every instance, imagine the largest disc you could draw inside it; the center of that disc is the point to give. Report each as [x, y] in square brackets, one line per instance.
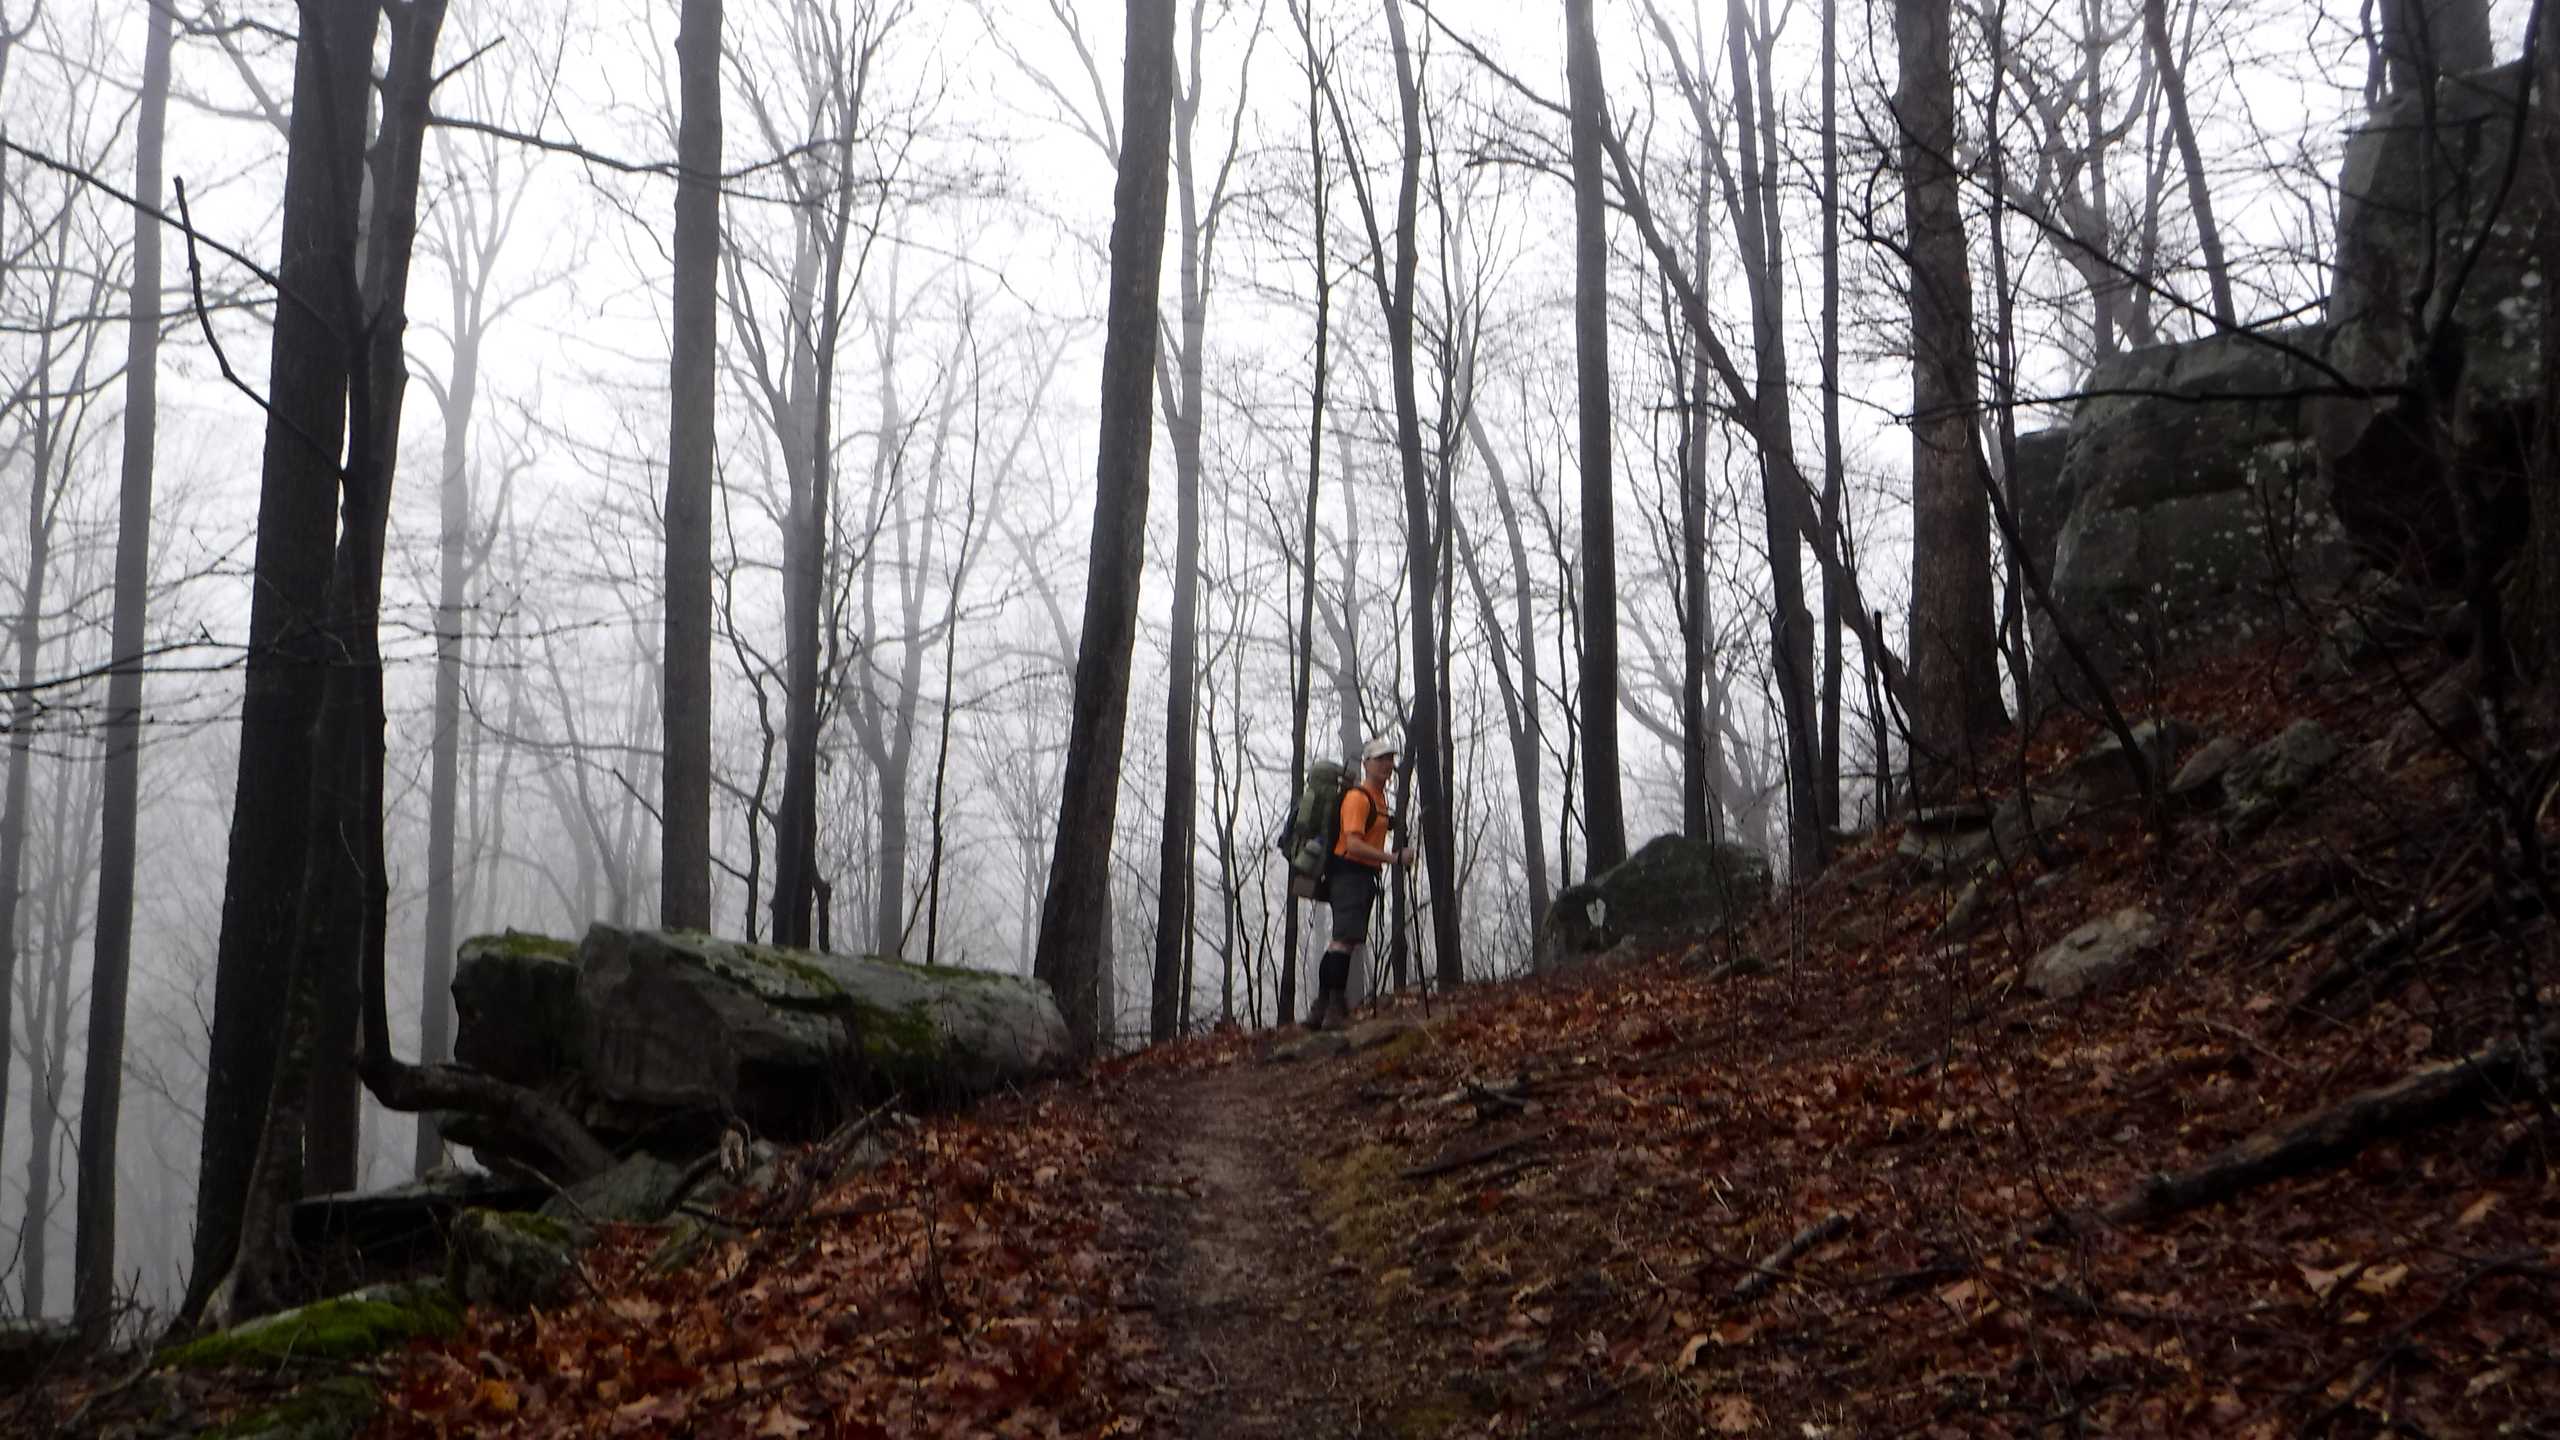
[322, 1410]
[904, 1044]
[537, 1226]
[526, 944]
[762, 967]
[347, 1327]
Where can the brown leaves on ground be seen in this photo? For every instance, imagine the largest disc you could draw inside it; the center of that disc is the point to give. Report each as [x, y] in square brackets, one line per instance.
[956, 1290]
[1971, 1134]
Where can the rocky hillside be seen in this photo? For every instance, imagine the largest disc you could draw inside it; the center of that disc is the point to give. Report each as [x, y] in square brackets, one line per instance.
[1865, 1167]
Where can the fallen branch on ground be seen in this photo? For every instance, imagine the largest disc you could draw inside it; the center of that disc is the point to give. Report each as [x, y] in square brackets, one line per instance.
[1770, 1271]
[2330, 1138]
[1476, 1156]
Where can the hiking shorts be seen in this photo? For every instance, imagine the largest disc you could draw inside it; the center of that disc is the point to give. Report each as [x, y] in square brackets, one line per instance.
[1351, 888]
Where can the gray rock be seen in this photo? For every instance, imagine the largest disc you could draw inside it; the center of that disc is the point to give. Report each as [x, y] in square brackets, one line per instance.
[2042, 500]
[641, 1189]
[1673, 887]
[1383, 1031]
[403, 1225]
[511, 1260]
[515, 1000]
[2411, 199]
[2183, 504]
[1957, 840]
[659, 1037]
[2205, 768]
[2265, 780]
[2099, 774]
[2098, 954]
[1315, 1045]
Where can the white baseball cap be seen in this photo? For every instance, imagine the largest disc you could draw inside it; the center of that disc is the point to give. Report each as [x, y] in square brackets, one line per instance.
[1377, 746]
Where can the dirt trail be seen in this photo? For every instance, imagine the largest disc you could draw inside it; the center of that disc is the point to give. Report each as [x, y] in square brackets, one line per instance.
[1259, 1316]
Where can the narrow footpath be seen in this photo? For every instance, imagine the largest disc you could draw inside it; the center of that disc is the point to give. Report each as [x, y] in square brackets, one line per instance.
[1268, 1331]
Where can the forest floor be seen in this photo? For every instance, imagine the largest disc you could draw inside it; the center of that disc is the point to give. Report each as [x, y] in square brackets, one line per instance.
[1839, 1174]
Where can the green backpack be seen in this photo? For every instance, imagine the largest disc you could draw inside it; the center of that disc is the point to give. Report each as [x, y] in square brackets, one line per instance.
[1314, 822]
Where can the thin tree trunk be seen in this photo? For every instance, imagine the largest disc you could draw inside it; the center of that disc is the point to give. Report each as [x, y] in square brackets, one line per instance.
[684, 776]
[1302, 678]
[435, 1015]
[102, 1077]
[1430, 742]
[1834, 467]
[1075, 914]
[2173, 87]
[1520, 698]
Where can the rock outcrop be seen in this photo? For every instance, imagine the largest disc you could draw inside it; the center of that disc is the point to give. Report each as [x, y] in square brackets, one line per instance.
[656, 1039]
[1673, 886]
[2421, 208]
[2196, 512]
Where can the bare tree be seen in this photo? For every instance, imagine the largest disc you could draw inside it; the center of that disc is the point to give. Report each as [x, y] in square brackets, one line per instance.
[684, 807]
[1604, 819]
[288, 659]
[1393, 270]
[1954, 695]
[102, 1078]
[1180, 391]
[1073, 928]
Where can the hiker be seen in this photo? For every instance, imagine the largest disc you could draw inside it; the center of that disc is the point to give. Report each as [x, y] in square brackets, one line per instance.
[1351, 879]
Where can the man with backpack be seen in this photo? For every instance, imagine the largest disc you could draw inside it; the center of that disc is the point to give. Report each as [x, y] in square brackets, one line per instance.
[1351, 879]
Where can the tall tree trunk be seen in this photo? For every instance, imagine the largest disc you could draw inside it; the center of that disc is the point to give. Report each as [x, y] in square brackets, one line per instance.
[1074, 915]
[1764, 269]
[2540, 617]
[1954, 692]
[2173, 88]
[684, 777]
[1432, 751]
[1604, 816]
[1834, 467]
[287, 657]
[1176, 854]
[102, 1078]
[435, 1013]
[1302, 678]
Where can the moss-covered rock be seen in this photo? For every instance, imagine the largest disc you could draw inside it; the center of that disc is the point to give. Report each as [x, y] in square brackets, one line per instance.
[347, 1327]
[515, 999]
[512, 1260]
[329, 1409]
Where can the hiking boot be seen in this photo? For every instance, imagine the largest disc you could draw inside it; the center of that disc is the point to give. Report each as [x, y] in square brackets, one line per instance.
[1341, 1011]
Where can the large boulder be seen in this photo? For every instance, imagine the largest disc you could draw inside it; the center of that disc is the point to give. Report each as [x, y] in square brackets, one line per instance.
[2097, 956]
[2196, 511]
[2415, 203]
[2037, 495]
[656, 1038]
[1673, 886]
